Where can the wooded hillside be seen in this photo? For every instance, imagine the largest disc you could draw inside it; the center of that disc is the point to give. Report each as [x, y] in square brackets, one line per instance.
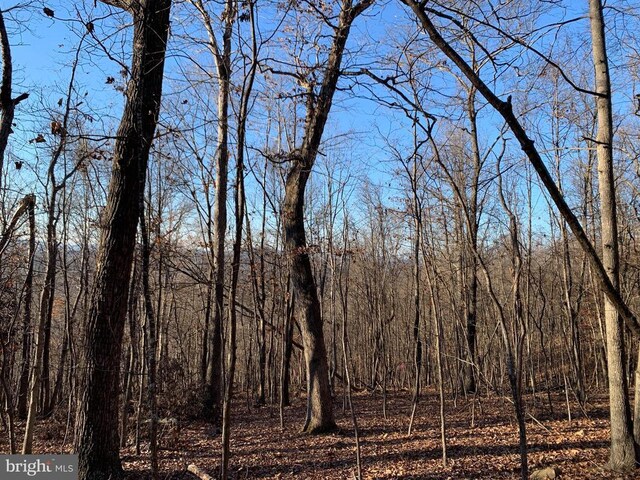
[398, 237]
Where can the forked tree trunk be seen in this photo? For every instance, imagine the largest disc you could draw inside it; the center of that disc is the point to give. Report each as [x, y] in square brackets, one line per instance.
[98, 442]
[48, 293]
[319, 417]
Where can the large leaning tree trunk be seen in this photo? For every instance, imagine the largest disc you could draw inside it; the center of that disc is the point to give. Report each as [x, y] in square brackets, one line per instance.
[98, 442]
[319, 417]
[623, 453]
[505, 109]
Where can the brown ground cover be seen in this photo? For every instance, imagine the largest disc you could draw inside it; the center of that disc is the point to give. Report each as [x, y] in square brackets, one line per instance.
[486, 449]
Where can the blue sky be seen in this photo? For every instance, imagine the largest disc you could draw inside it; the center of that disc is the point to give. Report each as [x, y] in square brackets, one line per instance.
[42, 50]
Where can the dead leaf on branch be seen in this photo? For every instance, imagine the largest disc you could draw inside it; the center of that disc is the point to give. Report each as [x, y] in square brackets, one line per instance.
[57, 128]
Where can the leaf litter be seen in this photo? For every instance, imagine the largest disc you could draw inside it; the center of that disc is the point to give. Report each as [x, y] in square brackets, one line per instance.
[482, 441]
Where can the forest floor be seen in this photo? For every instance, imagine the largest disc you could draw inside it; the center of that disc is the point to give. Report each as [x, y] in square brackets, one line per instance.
[485, 449]
[482, 442]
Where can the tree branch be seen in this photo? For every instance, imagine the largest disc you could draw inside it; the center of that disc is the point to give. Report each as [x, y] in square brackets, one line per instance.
[506, 111]
[126, 5]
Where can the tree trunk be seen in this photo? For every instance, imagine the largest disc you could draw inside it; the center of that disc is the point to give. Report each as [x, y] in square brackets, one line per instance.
[7, 104]
[319, 416]
[623, 449]
[344, 304]
[505, 109]
[417, 313]
[204, 355]
[471, 300]
[98, 446]
[34, 382]
[287, 348]
[26, 319]
[150, 333]
[240, 201]
[213, 383]
[46, 299]
[131, 358]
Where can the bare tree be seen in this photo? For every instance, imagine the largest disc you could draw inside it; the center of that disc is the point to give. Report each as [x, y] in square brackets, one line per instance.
[221, 52]
[240, 207]
[98, 442]
[505, 109]
[623, 449]
[319, 417]
[26, 318]
[602, 270]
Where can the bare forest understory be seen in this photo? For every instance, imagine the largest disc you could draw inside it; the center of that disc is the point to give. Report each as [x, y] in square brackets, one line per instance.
[482, 442]
[176, 224]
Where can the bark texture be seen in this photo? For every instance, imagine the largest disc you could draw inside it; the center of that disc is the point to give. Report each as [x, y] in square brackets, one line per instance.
[623, 453]
[319, 402]
[222, 57]
[319, 416]
[98, 446]
[7, 103]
